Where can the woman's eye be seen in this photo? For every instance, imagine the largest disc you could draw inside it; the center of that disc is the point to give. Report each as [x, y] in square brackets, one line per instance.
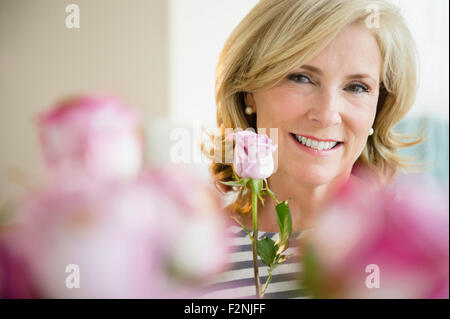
[357, 88]
[299, 78]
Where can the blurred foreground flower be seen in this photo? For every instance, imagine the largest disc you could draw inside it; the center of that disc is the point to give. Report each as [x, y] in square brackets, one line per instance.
[380, 244]
[149, 238]
[89, 233]
[95, 134]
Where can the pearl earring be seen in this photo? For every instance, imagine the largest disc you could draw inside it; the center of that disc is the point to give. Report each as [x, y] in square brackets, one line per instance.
[248, 110]
[371, 131]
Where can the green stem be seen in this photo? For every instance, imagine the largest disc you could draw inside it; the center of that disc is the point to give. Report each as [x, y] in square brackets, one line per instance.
[267, 283]
[273, 197]
[243, 227]
[255, 240]
[271, 193]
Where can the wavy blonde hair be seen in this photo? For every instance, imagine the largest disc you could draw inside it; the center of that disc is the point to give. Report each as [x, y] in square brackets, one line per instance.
[278, 35]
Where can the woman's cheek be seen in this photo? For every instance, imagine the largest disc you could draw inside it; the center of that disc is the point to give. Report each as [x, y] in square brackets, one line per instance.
[289, 101]
[277, 113]
[358, 125]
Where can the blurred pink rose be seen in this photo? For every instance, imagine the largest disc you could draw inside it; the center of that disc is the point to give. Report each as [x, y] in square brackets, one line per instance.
[93, 134]
[15, 280]
[371, 243]
[159, 236]
[253, 155]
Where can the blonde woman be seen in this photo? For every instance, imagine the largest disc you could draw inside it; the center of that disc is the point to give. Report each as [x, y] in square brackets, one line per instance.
[334, 77]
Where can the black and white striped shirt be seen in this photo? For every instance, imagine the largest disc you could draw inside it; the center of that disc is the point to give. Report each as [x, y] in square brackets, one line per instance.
[238, 280]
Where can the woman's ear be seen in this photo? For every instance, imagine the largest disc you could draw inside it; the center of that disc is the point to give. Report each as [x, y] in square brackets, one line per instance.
[250, 101]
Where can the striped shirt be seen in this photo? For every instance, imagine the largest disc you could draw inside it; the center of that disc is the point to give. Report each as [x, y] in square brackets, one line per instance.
[238, 280]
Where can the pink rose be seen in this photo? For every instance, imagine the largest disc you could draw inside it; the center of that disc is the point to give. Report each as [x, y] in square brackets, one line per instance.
[96, 135]
[159, 236]
[253, 155]
[381, 244]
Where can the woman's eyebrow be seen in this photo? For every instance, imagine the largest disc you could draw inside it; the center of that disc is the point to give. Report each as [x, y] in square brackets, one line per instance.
[312, 68]
[350, 76]
[360, 76]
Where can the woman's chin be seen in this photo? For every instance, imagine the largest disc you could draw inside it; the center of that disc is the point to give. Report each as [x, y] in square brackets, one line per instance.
[314, 176]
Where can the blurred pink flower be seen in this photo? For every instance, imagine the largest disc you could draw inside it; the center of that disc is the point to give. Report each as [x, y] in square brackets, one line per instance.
[159, 236]
[15, 281]
[253, 155]
[94, 134]
[400, 234]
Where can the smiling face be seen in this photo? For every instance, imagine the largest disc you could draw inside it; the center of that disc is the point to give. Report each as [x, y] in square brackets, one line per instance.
[331, 98]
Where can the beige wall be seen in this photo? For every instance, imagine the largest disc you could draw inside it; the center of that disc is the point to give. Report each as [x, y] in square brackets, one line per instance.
[121, 46]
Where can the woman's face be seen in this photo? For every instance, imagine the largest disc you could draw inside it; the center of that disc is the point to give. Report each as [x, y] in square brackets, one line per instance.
[331, 98]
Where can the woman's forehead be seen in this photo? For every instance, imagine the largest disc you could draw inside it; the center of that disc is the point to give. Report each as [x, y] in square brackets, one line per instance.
[353, 51]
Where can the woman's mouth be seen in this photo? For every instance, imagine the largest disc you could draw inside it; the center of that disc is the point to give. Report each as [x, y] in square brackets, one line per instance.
[316, 147]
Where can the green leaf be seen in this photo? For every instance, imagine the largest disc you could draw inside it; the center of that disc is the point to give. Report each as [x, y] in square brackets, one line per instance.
[233, 183]
[240, 183]
[282, 258]
[273, 267]
[266, 250]
[278, 261]
[284, 224]
[234, 173]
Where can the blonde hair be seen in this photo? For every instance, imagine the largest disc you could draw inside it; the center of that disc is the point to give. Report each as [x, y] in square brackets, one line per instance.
[277, 36]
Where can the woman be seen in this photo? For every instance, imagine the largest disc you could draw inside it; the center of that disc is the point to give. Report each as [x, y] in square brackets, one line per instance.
[334, 77]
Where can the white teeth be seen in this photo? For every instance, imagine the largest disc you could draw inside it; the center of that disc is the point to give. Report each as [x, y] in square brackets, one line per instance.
[332, 144]
[315, 144]
[308, 142]
[320, 147]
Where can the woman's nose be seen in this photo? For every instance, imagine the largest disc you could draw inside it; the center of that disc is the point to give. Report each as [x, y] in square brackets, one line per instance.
[325, 110]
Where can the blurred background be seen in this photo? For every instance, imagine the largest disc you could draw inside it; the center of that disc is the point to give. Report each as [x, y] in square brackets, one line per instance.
[160, 57]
